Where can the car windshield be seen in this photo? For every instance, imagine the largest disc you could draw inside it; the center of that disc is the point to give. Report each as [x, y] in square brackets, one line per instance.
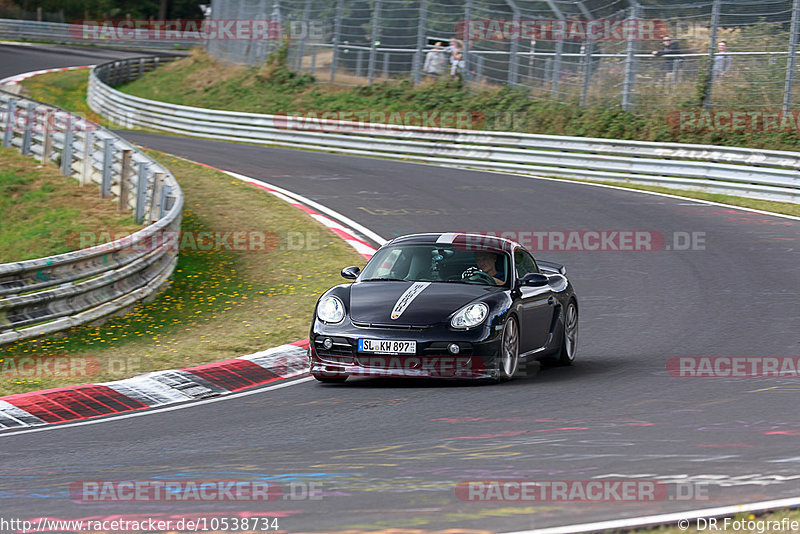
[438, 263]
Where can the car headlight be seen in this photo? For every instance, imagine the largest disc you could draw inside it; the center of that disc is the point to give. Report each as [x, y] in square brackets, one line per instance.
[330, 310]
[470, 316]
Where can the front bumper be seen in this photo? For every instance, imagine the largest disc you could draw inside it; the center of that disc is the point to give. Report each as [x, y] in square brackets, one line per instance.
[478, 350]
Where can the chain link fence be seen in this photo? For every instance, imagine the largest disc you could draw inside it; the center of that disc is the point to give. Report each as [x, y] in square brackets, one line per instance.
[727, 52]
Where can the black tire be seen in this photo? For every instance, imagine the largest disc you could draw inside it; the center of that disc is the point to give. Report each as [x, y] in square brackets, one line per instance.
[569, 343]
[508, 358]
[329, 379]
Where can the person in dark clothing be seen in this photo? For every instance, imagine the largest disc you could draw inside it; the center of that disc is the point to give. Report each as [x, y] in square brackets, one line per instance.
[670, 51]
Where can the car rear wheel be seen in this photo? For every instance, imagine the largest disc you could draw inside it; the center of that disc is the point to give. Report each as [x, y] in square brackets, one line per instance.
[569, 345]
[508, 359]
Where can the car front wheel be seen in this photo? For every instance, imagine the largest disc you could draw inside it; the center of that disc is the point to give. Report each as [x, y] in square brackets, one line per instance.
[508, 359]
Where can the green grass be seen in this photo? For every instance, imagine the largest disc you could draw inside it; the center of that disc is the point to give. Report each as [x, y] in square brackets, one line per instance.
[273, 88]
[44, 213]
[219, 304]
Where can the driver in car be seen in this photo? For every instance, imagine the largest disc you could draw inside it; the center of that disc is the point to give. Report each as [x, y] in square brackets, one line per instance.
[486, 262]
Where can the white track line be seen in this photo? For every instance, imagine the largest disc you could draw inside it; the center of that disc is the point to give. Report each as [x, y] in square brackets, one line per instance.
[660, 519]
[363, 230]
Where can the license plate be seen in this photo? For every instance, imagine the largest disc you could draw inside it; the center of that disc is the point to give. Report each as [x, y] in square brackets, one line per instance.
[383, 346]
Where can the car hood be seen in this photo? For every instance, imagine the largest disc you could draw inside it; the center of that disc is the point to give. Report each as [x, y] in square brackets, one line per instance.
[411, 303]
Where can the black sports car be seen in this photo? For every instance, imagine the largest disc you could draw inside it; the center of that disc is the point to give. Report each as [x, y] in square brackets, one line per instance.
[448, 305]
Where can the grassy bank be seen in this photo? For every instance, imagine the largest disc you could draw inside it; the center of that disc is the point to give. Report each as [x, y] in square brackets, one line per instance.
[44, 213]
[219, 304]
[273, 88]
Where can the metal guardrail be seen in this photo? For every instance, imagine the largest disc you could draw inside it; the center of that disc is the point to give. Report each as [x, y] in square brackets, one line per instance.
[46, 295]
[763, 174]
[58, 32]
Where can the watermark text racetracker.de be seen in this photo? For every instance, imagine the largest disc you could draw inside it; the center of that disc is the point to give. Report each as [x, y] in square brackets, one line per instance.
[195, 30]
[188, 491]
[734, 366]
[561, 29]
[589, 240]
[62, 366]
[205, 240]
[578, 491]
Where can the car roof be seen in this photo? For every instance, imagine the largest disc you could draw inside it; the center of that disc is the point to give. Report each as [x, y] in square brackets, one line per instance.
[472, 241]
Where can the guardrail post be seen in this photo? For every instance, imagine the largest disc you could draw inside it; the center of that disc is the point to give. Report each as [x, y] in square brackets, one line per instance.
[337, 33]
[66, 151]
[141, 192]
[30, 124]
[11, 118]
[166, 194]
[417, 64]
[374, 39]
[88, 154]
[790, 62]
[47, 142]
[386, 56]
[158, 194]
[313, 60]
[108, 167]
[124, 184]
[359, 61]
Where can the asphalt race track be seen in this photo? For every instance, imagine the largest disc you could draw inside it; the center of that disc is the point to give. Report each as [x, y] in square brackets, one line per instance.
[389, 453]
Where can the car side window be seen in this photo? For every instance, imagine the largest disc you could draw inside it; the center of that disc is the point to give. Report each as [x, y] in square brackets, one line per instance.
[524, 263]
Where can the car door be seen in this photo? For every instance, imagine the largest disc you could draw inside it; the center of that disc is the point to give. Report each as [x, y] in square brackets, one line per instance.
[536, 305]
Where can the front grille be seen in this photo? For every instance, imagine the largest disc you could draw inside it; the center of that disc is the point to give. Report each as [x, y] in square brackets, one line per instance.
[391, 326]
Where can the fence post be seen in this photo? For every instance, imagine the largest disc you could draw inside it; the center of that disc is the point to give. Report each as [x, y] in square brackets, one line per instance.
[587, 71]
[66, 152]
[313, 60]
[514, 49]
[337, 33]
[124, 185]
[30, 124]
[556, 68]
[141, 192]
[630, 63]
[88, 154]
[302, 44]
[8, 132]
[712, 47]
[465, 38]
[417, 64]
[790, 62]
[373, 36]
[108, 167]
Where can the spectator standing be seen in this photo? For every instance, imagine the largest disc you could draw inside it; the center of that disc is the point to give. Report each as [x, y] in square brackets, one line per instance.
[457, 61]
[435, 60]
[670, 51]
[722, 61]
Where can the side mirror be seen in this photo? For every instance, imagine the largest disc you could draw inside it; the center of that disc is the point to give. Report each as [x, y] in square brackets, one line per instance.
[533, 279]
[351, 273]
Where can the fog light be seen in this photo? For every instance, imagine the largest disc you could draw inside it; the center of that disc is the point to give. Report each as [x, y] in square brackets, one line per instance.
[453, 348]
[327, 343]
